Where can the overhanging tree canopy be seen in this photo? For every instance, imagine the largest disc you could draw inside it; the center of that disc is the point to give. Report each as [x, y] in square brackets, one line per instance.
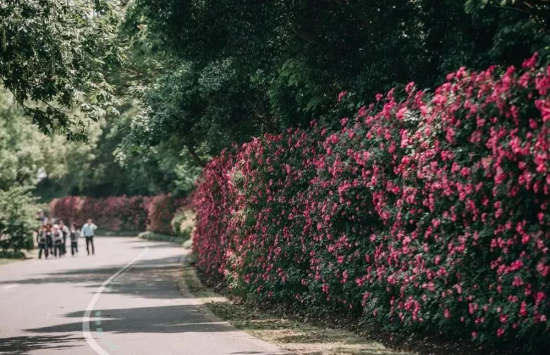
[52, 58]
[250, 67]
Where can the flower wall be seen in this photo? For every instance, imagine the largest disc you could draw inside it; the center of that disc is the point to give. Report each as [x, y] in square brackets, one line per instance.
[119, 213]
[425, 212]
[162, 209]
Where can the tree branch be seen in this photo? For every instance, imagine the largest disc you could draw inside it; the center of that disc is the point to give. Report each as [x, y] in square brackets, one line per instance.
[195, 156]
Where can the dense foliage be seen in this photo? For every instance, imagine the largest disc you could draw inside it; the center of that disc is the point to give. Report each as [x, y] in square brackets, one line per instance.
[111, 150]
[61, 78]
[122, 213]
[52, 58]
[183, 222]
[161, 212]
[89, 169]
[17, 219]
[22, 153]
[57, 167]
[111, 213]
[423, 212]
[241, 69]
[197, 76]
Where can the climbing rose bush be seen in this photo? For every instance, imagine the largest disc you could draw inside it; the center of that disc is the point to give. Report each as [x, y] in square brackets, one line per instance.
[120, 213]
[424, 212]
[161, 210]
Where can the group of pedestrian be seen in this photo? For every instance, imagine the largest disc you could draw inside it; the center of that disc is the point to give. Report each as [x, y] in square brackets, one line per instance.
[52, 238]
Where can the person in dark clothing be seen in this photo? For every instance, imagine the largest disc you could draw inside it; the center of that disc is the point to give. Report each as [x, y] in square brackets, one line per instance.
[57, 237]
[49, 239]
[41, 239]
[74, 234]
[65, 230]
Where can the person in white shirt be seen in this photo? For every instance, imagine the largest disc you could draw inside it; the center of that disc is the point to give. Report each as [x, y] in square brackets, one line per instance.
[88, 231]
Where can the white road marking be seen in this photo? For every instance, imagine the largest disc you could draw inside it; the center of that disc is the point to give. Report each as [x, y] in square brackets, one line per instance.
[86, 318]
[7, 287]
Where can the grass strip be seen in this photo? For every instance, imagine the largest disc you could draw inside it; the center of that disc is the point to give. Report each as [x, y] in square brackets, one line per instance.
[290, 334]
[162, 237]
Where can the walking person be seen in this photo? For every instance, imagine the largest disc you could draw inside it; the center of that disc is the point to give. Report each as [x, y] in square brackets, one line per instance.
[74, 234]
[88, 231]
[65, 230]
[41, 240]
[49, 239]
[42, 221]
[57, 237]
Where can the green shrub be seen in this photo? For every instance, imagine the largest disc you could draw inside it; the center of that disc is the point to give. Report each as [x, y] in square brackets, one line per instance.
[17, 219]
[183, 223]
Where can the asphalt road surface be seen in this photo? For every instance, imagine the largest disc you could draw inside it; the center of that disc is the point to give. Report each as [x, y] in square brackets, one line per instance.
[123, 300]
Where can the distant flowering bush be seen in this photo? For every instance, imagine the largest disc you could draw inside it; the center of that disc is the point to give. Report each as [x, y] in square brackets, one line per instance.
[69, 209]
[161, 210]
[119, 213]
[423, 212]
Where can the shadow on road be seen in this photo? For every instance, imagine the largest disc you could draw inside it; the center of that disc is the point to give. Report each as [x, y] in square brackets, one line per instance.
[26, 344]
[164, 319]
[145, 279]
[153, 280]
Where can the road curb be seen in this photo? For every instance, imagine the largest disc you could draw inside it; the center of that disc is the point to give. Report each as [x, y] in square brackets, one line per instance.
[189, 272]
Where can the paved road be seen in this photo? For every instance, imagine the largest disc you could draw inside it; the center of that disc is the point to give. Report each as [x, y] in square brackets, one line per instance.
[123, 300]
